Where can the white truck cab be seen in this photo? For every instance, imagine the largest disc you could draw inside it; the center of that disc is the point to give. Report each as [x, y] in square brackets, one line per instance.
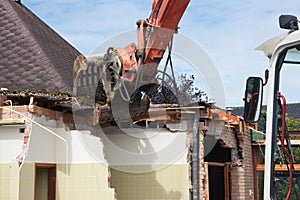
[283, 51]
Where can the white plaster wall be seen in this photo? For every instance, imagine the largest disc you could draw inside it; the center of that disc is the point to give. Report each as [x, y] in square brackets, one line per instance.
[11, 143]
[83, 147]
[70, 147]
[145, 147]
[132, 147]
[42, 146]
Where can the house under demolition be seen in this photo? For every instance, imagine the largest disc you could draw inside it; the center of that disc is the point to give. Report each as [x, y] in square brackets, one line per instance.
[47, 151]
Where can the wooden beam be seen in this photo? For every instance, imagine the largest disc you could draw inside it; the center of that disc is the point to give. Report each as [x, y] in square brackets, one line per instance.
[178, 107]
[294, 142]
[227, 182]
[294, 133]
[278, 167]
[45, 165]
[217, 164]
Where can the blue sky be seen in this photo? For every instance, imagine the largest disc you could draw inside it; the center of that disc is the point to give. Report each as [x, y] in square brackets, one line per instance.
[228, 31]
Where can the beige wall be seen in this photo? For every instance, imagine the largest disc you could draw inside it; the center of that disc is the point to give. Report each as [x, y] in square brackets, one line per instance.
[17, 184]
[11, 142]
[168, 182]
[85, 177]
[27, 179]
[9, 181]
[148, 163]
[83, 181]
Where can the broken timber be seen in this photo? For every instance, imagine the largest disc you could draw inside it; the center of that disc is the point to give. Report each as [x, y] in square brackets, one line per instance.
[103, 115]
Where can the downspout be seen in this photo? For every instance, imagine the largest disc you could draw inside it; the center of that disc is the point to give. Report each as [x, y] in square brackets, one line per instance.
[195, 156]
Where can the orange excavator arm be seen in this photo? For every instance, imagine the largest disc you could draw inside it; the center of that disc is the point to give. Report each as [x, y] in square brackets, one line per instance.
[164, 19]
[154, 35]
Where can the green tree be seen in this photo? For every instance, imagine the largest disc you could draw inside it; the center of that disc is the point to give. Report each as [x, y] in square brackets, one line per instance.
[292, 124]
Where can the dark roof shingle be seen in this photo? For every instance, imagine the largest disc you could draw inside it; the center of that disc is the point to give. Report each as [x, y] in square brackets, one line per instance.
[292, 110]
[32, 55]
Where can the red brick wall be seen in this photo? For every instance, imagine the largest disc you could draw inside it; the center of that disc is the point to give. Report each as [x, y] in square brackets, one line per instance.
[241, 172]
[238, 139]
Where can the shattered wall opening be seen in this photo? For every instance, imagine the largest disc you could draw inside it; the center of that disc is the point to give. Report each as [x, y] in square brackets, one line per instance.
[227, 164]
[216, 166]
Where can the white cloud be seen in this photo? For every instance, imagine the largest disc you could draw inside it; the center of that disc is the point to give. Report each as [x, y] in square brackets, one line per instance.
[228, 30]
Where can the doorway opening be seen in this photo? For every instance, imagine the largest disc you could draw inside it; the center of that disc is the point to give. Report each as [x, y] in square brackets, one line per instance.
[45, 181]
[217, 177]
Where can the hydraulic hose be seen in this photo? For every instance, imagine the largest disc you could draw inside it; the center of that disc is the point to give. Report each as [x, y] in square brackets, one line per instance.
[279, 95]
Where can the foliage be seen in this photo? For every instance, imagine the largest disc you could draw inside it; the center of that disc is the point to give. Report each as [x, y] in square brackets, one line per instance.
[183, 92]
[187, 92]
[262, 121]
[292, 124]
[282, 186]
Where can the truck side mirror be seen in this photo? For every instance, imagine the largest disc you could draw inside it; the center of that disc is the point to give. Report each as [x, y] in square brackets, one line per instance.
[288, 22]
[253, 99]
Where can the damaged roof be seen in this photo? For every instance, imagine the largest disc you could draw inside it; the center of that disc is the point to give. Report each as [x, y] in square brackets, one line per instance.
[32, 55]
